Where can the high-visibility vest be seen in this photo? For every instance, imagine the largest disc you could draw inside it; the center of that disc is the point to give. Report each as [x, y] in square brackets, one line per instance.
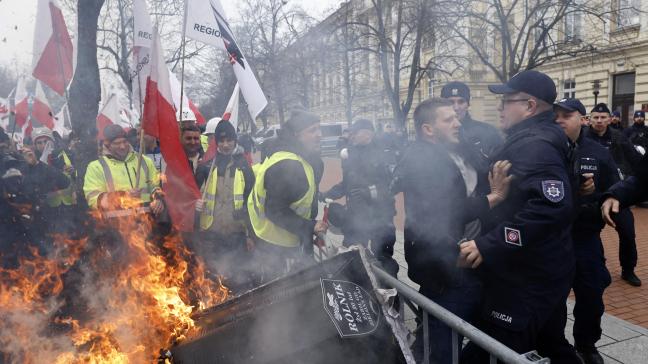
[207, 214]
[111, 175]
[263, 227]
[65, 196]
[204, 142]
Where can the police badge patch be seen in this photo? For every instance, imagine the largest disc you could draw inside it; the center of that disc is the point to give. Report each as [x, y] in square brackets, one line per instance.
[553, 190]
[513, 236]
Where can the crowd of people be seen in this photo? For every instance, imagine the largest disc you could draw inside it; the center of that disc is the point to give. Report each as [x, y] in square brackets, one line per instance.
[500, 226]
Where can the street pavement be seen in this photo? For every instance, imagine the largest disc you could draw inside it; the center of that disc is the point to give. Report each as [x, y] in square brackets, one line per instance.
[625, 323]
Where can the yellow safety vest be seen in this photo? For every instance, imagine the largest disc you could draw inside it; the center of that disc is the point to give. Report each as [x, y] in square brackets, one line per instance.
[207, 214]
[65, 196]
[110, 175]
[263, 227]
[204, 142]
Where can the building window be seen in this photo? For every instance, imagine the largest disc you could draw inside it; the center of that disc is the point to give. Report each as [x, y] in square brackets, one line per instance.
[628, 12]
[573, 23]
[569, 89]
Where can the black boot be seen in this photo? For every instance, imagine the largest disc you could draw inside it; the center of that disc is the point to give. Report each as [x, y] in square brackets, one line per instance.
[591, 357]
[630, 277]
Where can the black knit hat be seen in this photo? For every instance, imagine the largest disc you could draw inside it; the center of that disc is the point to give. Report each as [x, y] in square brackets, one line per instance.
[224, 129]
[300, 120]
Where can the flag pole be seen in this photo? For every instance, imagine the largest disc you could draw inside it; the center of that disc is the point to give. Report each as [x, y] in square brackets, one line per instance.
[182, 62]
[140, 152]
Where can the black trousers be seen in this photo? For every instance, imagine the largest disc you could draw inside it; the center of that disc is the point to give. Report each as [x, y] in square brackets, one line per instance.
[380, 239]
[590, 281]
[627, 243]
[548, 338]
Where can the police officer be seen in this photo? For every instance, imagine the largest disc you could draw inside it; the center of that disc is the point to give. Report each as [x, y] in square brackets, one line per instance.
[597, 172]
[365, 182]
[283, 204]
[223, 214]
[446, 191]
[637, 134]
[525, 254]
[616, 121]
[115, 174]
[626, 157]
[482, 135]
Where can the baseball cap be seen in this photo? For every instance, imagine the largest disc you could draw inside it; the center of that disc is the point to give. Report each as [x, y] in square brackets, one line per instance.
[601, 107]
[532, 82]
[456, 88]
[571, 105]
[639, 114]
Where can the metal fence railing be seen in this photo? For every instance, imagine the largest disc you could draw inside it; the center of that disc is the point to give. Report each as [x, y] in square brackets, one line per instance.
[427, 307]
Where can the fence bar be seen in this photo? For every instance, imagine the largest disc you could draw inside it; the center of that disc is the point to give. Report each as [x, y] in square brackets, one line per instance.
[426, 338]
[455, 347]
[494, 347]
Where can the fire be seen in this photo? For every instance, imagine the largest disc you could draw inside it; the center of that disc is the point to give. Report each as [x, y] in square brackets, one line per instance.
[118, 296]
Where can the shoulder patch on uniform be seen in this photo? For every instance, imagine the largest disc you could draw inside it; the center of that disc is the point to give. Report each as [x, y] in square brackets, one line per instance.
[513, 236]
[553, 190]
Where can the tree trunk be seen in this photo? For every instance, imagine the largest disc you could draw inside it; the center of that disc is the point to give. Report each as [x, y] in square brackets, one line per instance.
[85, 90]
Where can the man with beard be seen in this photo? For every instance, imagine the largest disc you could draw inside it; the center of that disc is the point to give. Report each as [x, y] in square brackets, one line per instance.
[446, 192]
[283, 204]
[370, 206]
[223, 214]
[637, 133]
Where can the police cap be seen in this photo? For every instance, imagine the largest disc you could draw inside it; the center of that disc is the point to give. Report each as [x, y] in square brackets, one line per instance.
[531, 82]
[571, 105]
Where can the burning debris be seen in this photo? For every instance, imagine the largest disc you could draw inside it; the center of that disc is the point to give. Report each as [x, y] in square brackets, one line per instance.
[117, 296]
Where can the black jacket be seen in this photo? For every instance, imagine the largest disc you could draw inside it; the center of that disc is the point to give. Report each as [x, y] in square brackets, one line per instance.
[527, 249]
[484, 137]
[637, 134]
[437, 211]
[285, 183]
[623, 153]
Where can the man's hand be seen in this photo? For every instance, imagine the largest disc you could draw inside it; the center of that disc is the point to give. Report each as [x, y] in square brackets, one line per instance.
[249, 244]
[29, 156]
[587, 187]
[320, 227]
[69, 169]
[469, 255]
[499, 181]
[609, 207]
[200, 205]
[157, 207]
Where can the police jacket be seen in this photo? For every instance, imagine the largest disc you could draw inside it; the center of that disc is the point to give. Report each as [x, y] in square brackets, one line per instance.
[633, 189]
[526, 248]
[437, 210]
[367, 169]
[285, 183]
[593, 158]
[637, 134]
[483, 136]
[623, 153]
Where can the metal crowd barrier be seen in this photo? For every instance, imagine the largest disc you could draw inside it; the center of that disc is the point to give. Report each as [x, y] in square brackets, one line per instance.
[496, 349]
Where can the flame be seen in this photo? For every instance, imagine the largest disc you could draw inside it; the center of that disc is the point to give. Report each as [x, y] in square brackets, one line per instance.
[118, 296]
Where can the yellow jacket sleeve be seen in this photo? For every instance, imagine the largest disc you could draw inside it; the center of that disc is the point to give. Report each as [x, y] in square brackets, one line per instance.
[94, 183]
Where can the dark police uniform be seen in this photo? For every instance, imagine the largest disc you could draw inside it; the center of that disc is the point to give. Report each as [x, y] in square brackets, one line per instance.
[637, 134]
[484, 137]
[528, 260]
[626, 158]
[592, 276]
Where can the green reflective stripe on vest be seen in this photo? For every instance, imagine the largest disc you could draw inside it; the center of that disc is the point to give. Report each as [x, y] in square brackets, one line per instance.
[263, 227]
[207, 214]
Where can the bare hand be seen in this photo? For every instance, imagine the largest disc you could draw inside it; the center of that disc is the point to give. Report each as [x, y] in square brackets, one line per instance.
[157, 207]
[29, 156]
[587, 187]
[499, 181]
[249, 244]
[200, 205]
[469, 254]
[69, 169]
[609, 207]
[320, 227]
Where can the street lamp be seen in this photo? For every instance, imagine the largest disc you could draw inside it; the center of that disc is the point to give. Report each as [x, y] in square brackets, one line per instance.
[596, 85]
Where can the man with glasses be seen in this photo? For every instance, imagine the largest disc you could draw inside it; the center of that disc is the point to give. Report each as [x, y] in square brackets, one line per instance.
[525, 254]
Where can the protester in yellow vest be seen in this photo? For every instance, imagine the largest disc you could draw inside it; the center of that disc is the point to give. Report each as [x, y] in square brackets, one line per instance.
[283, 204]
[115, 174]
[224, 241]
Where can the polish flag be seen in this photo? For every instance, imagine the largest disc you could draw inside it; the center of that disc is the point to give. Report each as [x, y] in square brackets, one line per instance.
[41, 111]
[53, 62]
[231, 115]
[159, 120]
[60, 125]
[108, 115]
[21, 106]
[189, 109]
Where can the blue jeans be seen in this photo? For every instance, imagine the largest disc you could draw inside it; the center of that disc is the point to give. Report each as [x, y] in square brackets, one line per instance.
[463, 301]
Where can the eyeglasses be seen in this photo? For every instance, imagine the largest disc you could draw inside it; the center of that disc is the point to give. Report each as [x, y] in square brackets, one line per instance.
[510, 101]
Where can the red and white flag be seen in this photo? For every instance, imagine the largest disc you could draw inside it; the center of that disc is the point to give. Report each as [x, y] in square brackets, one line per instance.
[231, 111]
[159, 120]
[53, 62]
[189, 109]
[41, 114]
[60, 124]
[21, 107]
[108, 115]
